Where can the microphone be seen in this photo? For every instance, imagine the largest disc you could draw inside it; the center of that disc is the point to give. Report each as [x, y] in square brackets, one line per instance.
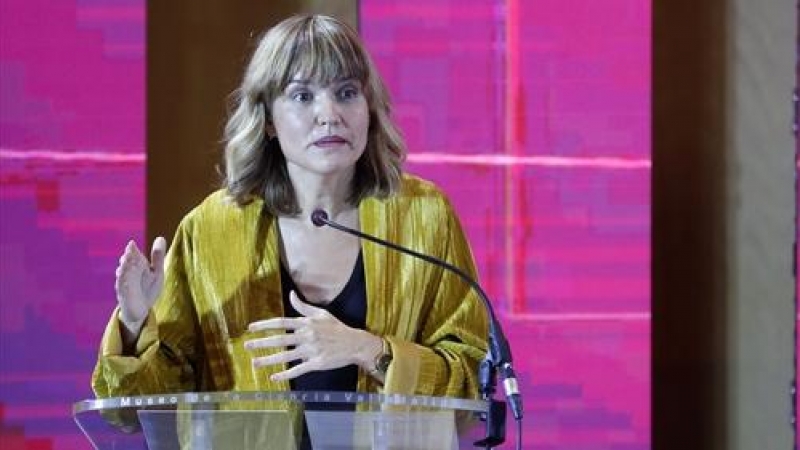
[499, 354]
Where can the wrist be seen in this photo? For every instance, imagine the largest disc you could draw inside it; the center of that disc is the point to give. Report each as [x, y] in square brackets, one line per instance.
[129, 333]
[381, 361]
[370, 351]
[133, 326]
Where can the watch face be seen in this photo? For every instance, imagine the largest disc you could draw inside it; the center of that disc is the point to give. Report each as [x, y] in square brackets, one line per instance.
[382, 364]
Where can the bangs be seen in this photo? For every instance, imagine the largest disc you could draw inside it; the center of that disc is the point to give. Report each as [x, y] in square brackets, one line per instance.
[324, 54]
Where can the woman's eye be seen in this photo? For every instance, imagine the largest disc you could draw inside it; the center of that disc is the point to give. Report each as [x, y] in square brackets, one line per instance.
[301, 96]
[348, 93]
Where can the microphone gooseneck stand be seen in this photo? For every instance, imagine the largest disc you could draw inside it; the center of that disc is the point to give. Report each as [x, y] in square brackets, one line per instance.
[498, 356]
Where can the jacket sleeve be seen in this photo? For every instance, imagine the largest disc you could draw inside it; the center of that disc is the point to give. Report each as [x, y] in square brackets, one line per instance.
[167, 352]
[444, 360]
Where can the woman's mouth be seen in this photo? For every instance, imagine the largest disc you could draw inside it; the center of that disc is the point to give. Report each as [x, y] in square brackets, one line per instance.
[330, 141]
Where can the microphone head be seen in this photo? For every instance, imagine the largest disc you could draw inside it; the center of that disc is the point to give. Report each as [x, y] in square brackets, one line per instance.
[319, 217]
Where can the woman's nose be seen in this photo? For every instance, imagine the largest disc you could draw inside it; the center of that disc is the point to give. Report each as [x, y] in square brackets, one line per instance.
[327, 111]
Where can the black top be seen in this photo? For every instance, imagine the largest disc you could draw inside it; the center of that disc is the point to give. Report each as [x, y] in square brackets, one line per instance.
[350, 307]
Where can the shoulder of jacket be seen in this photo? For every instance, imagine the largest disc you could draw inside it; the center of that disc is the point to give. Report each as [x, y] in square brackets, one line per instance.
[218, 206]
[415, 188]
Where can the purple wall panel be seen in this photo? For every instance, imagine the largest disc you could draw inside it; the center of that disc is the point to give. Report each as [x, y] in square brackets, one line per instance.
[71, 195]
[534, 117]
[551, 180]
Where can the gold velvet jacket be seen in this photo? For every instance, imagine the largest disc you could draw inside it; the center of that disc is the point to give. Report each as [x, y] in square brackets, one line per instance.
[223, 272]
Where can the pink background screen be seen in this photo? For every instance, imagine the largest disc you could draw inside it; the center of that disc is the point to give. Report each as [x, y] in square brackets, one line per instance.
[533, 116]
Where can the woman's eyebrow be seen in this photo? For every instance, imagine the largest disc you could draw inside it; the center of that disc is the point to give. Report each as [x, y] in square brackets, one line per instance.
[298, 81]
[336, 81]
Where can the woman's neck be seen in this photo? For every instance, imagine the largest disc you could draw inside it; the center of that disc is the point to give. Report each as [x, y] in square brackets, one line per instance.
[331, 194]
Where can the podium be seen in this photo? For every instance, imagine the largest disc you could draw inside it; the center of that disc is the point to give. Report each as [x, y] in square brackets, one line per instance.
[310, 420]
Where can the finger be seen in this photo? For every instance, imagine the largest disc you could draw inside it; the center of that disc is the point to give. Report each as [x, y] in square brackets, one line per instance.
[304, 308]
[128, 262]
[283, 340]
[132, 257]
[294, 372]
[278, 358]
[157, 254]
[126, 252]
[134, 250]
[277, 323]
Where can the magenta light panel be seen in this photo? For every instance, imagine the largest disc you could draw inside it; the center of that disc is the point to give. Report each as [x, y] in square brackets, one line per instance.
[532, 115]
[535, 118]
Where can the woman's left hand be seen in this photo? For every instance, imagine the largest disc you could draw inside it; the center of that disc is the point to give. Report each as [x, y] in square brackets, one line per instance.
[318, 340]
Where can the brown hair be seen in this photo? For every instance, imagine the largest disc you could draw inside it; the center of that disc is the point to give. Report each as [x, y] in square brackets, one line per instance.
[322, 49]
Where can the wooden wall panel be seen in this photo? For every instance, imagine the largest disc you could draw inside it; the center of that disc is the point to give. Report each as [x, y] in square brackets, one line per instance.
[196, 53]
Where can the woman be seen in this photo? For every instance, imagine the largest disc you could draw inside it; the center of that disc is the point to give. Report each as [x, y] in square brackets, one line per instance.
[253, 296]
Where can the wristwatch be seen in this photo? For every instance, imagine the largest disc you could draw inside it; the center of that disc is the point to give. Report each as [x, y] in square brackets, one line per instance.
[383, 359]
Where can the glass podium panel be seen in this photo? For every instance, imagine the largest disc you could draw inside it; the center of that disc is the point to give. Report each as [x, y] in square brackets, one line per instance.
[334, 430]
[280, 421]
[210, 430]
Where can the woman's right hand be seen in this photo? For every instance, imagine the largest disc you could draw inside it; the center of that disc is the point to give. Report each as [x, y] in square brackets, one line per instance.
[139, 283]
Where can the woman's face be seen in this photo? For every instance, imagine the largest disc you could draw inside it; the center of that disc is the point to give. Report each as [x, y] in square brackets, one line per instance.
[322, 129]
